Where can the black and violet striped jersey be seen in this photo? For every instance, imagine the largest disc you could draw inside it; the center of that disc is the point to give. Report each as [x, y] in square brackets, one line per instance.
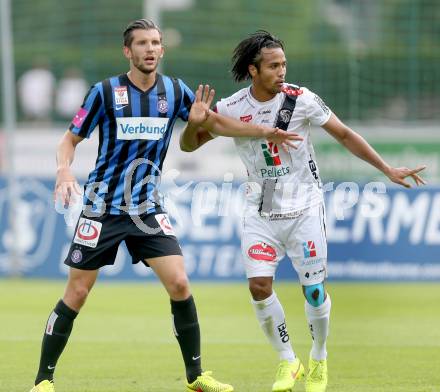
[134, 133]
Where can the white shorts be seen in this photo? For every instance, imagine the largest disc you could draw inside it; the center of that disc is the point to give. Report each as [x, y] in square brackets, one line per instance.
[265, 242]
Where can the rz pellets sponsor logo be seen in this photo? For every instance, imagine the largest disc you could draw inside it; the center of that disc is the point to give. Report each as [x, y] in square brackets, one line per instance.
[271, 154]
[273, 161]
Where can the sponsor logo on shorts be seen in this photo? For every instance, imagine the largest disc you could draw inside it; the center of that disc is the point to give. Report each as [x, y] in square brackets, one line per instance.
[76, 256]
[262, 252]
[287, 215]
[309, 261]
[309, 249]
[165, 224]
[87, 233]
[315, 273]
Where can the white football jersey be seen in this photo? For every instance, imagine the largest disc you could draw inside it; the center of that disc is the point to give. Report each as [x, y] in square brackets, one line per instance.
[279, 183]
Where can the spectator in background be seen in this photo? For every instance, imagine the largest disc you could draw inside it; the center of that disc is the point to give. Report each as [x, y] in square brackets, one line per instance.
[35, 92]
[70, 92]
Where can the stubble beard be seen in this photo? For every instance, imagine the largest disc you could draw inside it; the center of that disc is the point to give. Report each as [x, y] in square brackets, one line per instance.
[145, 70]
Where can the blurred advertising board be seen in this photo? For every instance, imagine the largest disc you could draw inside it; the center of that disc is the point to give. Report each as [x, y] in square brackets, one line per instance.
[374, 231]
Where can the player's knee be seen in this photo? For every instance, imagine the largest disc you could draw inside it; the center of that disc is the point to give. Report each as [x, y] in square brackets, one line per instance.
[260, 288]
[76, 296]
[315, 294]
[179, 287]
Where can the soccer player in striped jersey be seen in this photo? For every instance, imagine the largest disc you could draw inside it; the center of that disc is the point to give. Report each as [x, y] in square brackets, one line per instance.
[285, 209]
[135, 113]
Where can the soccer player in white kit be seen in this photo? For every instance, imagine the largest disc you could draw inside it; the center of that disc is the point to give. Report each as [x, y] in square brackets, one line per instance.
[285, 207]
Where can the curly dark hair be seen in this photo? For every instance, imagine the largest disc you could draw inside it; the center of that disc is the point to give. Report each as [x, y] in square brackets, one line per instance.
[248, 52]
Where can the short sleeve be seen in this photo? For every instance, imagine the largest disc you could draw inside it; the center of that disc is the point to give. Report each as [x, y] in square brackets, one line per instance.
[317, 111]
[188, 98]
[89, 114]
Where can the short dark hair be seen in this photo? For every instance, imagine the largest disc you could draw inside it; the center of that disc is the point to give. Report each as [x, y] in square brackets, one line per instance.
[144, 24]
[248, 53]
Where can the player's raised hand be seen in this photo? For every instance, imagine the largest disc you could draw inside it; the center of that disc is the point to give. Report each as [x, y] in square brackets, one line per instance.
[398, 175]
[66, 187]
[200, 108]
[283, 138]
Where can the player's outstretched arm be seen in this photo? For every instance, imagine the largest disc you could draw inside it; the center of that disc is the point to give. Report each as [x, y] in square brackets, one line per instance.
[360, 147]
[202, 120]
[66, 184]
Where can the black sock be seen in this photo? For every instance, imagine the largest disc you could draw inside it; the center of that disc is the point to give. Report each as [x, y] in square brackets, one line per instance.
[58, 328]
[187, 331]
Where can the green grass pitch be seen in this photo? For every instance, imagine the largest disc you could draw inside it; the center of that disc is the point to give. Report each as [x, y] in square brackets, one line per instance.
[384, 337]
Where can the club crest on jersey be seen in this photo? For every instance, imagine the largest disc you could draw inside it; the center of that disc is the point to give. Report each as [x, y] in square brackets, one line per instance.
[285, 115]
[262, 252]
[87, 232]
[309, 249]
[162, 105]
[121, 95]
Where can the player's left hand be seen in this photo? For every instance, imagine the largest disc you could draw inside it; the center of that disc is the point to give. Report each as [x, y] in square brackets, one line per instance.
[283, 138]
[398, 175]
[200, 108]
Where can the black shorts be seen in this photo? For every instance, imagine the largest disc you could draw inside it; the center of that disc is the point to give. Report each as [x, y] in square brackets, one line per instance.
[96, 240]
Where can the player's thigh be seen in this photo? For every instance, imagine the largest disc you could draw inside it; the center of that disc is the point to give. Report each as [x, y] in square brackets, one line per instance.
[96, 241]
[171, 272]
[307, 247]
[155, 238]
[261, 247]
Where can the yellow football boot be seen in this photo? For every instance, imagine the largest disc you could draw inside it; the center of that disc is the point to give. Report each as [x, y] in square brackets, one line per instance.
[44, 386]
[287, 374]
[317, 377]
[206, 383]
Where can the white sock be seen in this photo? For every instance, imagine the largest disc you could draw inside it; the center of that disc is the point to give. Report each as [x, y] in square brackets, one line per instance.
[270, 314]
[318, 319]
